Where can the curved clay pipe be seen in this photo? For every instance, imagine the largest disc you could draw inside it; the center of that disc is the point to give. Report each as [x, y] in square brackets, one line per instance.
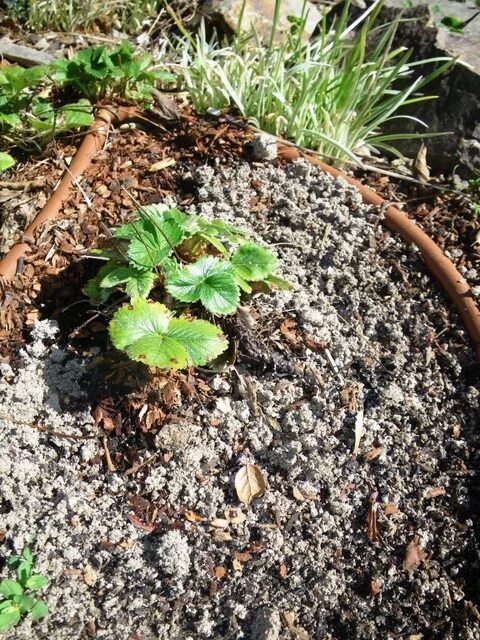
[92, 143]
[436, 261]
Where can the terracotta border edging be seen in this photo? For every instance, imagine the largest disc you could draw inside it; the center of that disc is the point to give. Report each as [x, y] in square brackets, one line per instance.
[92, 143]
[436, 261]
[438, 264]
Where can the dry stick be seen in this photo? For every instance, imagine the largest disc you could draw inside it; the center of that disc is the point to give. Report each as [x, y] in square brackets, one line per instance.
[139, 466]
[22, 184]
[111, 467]
[51, 432]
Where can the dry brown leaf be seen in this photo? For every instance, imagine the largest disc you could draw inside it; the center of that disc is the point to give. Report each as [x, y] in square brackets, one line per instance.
[282, 570]
[301, 496]
[288, 331]
[390, 509]
[219, 572]
[219, 523]
[420, 167]
[237, 565]
[90, 576]
[162, 164]
[433, 492]
[221, 536]
[135, 520]
[249, 483]
[414, 556]
[192, 516]
[374, 453]
[374, 587]
[243, 556]
[297, 494]
[234, 515]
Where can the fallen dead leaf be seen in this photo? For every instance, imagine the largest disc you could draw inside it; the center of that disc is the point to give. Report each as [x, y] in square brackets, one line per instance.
[288, 331]
[162, 164]
[243, 556]
[90, 576]
[249, 483]
[221, 536]
[359, 431]
[301, 496]
[433, 492]
[237, 565]
[297, 494]
[234, 515]
[374, 453]
[135, 520]
[220, 572]
[420, 167]
[219, 523]
[374, 587]
[192, 516]
[390, 509]
[414, 556]
[282, 570]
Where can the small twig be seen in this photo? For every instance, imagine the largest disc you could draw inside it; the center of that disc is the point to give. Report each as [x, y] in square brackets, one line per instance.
[22, 184]
[110, 466]
[51, 432]
[139, 466]
[77, 184]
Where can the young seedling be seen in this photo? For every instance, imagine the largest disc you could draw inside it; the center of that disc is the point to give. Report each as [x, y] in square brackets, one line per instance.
[17, 597]
[186, 261]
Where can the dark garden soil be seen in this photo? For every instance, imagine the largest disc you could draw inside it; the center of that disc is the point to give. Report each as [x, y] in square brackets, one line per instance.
[355, 394]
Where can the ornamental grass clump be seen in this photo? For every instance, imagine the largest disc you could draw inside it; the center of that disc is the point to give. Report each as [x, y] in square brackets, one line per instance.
[172, 265]
[332, 94]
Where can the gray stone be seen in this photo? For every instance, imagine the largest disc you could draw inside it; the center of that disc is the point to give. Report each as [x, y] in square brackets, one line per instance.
[264, 147]
[260, 14]
[266, 625]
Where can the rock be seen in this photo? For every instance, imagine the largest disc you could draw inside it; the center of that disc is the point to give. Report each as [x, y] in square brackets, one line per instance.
[264, 147]
[260, 13]
[458, 104]
[266, 625]
[173, 437]
[174, 554]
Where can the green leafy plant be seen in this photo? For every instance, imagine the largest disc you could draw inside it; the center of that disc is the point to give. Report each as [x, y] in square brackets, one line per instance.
[100, 72]
[127, 16]
[185, 260]
[333, 93]
[17, 596]
[27, 114]
[6, 161]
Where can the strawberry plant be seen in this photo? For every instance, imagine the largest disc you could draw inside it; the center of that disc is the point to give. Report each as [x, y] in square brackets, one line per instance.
[17, 597]
[186, 262]
[100, 72]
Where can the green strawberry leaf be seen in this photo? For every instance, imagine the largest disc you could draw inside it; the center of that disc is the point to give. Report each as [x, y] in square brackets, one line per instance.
[209, 280]
[40, 610]
[153, 242]
[279, 283]
[24, 603]
[140, 285]
[36, 581]
[92, 288]
[148, 333]
[9, 588]
[9, 618]
[6, 161]
[202, 340]
[117, 276]
[253, 262]
[133, 322]
[159, 351]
